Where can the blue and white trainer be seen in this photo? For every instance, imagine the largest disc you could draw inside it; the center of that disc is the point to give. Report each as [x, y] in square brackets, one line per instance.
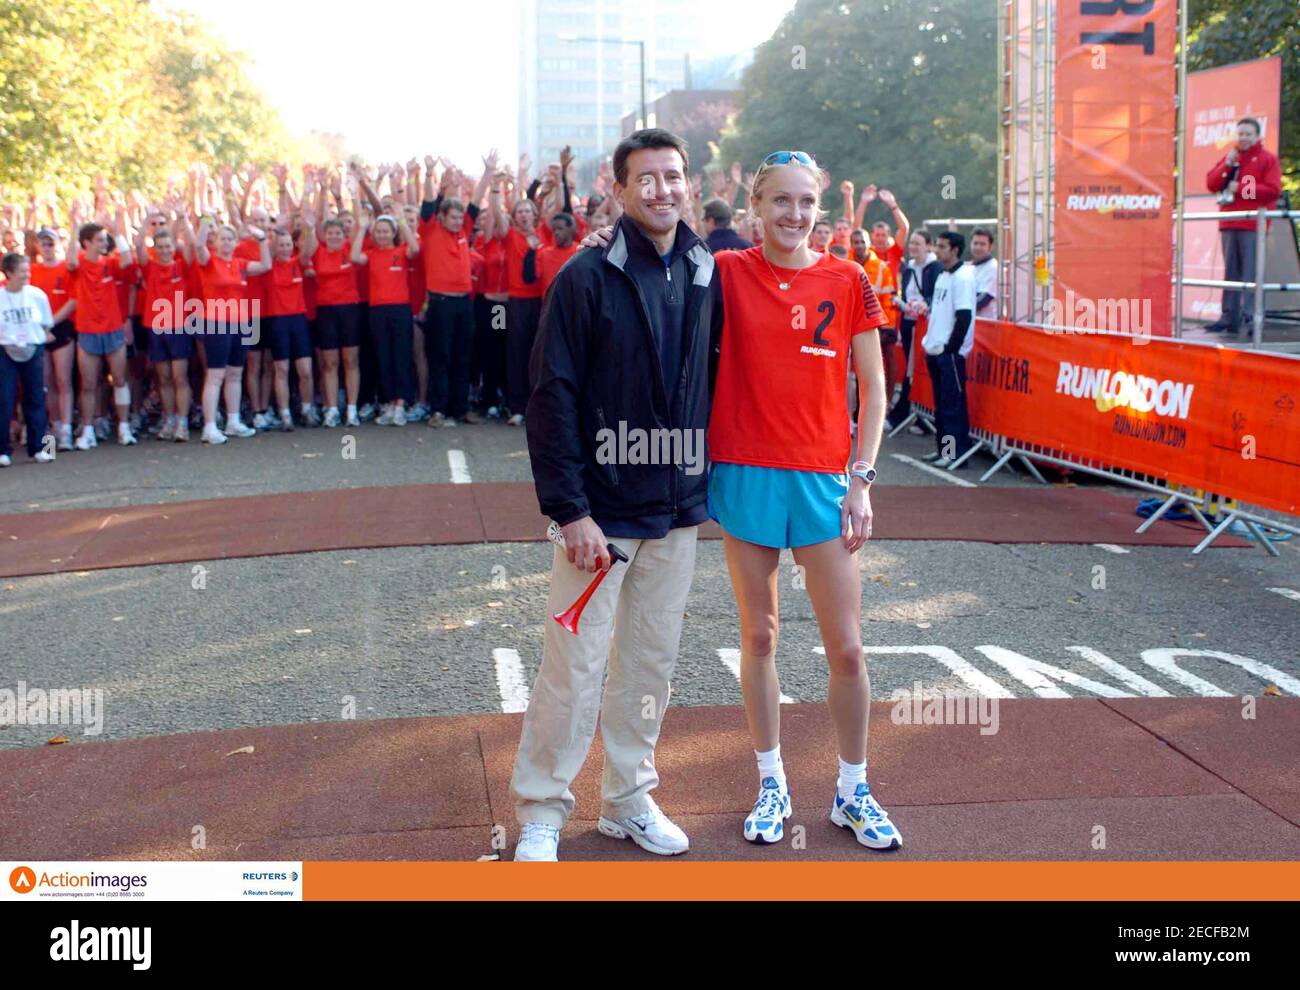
[766, 823]
[866, 819]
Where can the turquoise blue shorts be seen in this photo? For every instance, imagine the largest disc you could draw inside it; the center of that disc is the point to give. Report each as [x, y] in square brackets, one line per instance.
[774, 507]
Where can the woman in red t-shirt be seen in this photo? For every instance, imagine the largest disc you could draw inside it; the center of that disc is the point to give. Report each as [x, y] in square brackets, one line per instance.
[50, 275]
[163, 315]
[387, 265]
[288, 329]
[338, 328]
[226, 318]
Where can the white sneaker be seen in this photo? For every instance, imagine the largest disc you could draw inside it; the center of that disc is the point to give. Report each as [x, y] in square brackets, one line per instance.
[168, 431]
[286, 422]
[538, 843]
[124, 435]
[651, 830]
[332, 417]
[261, 421]
[310, 416]
[64, 441]
[212, 435]
[385, 418]
[516, 420]
[236, 427]
[399, 416]
[766, 823]
[866, 819]
[365, 414]
[353, 420]
[182, 432]
[87, 439]
[43, 457]
[5, 460]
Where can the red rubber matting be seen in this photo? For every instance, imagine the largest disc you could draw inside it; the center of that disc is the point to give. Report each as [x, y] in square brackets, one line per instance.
[1152, 772]
[419, 515]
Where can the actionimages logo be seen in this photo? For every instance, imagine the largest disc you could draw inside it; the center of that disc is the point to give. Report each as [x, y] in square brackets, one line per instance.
[22, 880]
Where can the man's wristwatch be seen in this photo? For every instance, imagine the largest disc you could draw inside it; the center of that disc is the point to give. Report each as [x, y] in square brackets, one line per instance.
[863, 470]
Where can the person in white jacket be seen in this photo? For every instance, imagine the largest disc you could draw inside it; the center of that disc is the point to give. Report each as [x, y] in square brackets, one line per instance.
[948, 339]
[25, 322]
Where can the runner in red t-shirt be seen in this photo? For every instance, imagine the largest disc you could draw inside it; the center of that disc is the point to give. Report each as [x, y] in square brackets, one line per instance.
[162, 313]
[288, 331]
[100, 335]
[50, 275]
[551, 258]
[388, 266]
[338, 315]
[227, 319]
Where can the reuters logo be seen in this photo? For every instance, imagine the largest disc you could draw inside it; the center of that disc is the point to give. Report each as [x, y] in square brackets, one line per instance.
[22, 880]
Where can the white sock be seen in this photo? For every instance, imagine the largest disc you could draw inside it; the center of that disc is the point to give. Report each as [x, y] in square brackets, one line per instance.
[851, 775]
[284, 413]
[770, 765]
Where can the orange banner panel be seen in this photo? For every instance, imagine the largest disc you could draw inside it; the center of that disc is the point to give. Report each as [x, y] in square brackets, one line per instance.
[1114, 162]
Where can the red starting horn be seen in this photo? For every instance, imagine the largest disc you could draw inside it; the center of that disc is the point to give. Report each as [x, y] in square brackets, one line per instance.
[570, 616]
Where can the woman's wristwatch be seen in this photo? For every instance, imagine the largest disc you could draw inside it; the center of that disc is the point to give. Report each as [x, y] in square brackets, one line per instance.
[863, 470]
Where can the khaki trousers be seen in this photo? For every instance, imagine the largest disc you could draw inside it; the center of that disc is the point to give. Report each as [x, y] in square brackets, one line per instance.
[634, 621]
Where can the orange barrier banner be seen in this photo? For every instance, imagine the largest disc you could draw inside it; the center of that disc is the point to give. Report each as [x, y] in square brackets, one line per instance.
[1209, 417]
[875, 880]
[1115, 99]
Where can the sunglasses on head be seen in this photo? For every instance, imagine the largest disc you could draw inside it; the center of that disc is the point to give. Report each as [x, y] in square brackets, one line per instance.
[785, 157]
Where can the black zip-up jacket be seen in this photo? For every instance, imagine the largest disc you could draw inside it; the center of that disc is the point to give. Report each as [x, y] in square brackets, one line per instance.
[929, 276]
[595, 364]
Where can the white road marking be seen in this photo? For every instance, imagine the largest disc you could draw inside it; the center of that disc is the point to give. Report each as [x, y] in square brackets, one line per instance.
[1121, 673]
[1286, 593]
[931, 469]
[510, 680]
[459, 467]
[1163, 660]
[731, 660]
[1041, 677]
[1112, 548]
[966, 672]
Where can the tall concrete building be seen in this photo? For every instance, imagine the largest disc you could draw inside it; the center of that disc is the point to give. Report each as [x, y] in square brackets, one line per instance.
[576, 92]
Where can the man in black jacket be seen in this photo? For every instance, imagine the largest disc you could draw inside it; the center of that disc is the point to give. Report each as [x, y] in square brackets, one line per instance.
[616, 422]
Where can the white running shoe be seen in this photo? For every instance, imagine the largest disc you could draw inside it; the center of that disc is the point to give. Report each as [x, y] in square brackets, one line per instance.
[261, 421]
[866, 819]
[43, 456]
[168, 431]
[5, 460]
[353, 419]
[310, 416]
[385, 418]
[212, 435]
[399, 416]
[236, 427]
[64, 432]
[651, 830]
[124, 435]
[516, 420]
[766, 823]
[365, 414]
[538, 843]
[182, 432]
[87, 439]
[286, 422]
[332, 417]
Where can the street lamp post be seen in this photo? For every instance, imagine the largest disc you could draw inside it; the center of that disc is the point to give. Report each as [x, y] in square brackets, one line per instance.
[617, 41]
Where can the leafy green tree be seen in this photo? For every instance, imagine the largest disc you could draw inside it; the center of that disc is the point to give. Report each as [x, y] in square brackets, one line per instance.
[897, 93]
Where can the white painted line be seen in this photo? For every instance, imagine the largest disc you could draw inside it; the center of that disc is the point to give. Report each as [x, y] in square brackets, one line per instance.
[1164, 660]
[731, 660]
[459, 468]
[1121, 673]
[1111, 547]
[510, 680]
[931, 469]
[967, 673]
[1286, 593]
[1041, 677]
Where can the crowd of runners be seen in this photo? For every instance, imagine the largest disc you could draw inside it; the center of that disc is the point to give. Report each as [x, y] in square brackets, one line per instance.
[236, 301]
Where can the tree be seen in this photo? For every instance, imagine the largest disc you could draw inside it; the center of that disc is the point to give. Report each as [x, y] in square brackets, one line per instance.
[896, 93]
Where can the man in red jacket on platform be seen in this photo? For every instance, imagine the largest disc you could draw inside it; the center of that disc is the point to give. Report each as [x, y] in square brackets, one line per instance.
[1246, 178]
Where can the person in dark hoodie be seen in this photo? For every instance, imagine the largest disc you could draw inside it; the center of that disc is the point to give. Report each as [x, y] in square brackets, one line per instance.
[621, 372]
